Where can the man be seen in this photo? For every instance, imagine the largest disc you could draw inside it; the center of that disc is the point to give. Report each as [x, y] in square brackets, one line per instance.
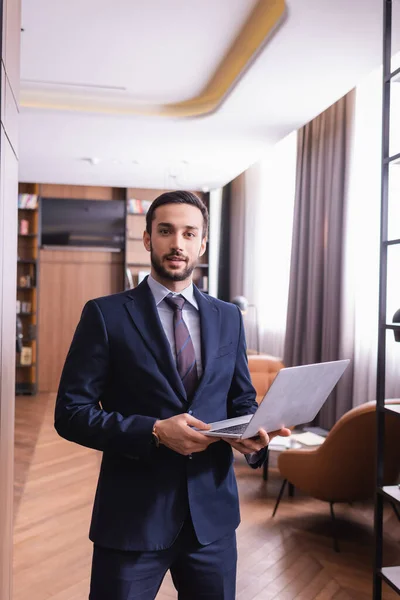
[144, 368]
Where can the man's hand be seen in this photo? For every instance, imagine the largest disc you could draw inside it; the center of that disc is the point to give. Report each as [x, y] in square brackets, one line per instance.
[255, 444]
[176, 434]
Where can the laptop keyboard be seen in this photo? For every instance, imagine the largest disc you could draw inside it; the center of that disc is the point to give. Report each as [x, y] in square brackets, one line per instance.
[232, 429]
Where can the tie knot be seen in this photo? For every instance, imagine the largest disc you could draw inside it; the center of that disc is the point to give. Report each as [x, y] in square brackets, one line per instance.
[175, 302]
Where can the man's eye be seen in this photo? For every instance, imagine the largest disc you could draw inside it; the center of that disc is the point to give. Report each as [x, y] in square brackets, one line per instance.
[189, 234]
[163, 231]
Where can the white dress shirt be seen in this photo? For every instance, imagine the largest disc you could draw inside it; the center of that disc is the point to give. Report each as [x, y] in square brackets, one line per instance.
[190, 315]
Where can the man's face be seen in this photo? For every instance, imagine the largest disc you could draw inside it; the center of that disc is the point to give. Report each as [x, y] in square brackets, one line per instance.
[176, 241]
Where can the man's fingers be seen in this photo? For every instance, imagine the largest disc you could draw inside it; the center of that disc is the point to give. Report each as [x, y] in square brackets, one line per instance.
[196, 437]
[200, 442]
[190, 420]
[284, 432]
[264, 437]
[248, 446]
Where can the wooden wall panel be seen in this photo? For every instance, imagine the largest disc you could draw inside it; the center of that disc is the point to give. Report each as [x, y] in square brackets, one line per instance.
[67, 280]
[28, 188]
[81, 192]
[137, 253]
[144, 194]
[10, 27]
[135, 226]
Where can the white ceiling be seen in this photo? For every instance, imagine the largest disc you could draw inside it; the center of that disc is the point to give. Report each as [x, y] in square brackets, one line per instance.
[156, 51]
[162, 51]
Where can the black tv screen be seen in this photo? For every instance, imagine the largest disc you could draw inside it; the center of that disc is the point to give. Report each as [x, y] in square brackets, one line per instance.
[83, 223]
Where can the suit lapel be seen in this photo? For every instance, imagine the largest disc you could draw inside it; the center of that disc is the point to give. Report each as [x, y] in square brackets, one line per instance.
[210, 325]
[142, 309]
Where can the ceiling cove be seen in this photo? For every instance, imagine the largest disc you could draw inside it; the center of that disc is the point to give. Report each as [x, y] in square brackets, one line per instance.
[264, 19]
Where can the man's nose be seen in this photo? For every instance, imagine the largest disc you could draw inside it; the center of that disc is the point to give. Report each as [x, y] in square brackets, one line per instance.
[177, 242]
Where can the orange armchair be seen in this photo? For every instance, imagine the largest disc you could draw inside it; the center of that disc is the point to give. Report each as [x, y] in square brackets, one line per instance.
[263, 370]
[342, 469]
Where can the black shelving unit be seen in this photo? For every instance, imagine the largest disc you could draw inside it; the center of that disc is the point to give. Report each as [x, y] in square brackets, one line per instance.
[391, 574]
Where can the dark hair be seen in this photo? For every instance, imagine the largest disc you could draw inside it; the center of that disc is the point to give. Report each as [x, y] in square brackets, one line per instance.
[177, 197]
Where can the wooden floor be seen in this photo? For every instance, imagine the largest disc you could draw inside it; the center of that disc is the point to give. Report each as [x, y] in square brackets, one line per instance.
[287, 557]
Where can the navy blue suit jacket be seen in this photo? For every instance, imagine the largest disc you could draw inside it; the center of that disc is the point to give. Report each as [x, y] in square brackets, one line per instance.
[119, 378]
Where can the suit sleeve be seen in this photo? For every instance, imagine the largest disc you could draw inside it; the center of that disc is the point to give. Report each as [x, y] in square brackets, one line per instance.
[242, 395]
[79, 416]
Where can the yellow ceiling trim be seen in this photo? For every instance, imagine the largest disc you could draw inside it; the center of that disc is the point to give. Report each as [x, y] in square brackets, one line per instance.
[265, 17]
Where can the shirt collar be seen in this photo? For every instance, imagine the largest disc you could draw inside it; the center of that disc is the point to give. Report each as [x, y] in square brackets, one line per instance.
[159, 292]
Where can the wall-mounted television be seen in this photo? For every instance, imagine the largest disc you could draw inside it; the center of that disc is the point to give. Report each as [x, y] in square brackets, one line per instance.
[82, 223]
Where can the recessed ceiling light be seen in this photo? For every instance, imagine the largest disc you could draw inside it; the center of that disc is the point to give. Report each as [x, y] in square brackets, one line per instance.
[92, 160]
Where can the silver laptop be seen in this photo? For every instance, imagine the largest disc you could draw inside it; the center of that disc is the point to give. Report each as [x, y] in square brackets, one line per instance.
[295, 397]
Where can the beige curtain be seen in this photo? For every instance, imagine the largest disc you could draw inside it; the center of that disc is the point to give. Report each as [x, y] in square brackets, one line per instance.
[262, 200]
[315, 315]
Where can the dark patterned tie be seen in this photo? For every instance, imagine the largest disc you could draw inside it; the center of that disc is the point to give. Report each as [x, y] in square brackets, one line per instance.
[185, 355]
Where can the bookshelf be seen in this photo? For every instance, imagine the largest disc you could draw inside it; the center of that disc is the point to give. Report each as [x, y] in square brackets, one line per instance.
[26, 290]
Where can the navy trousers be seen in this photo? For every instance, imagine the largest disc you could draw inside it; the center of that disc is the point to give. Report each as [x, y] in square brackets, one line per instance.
[198, 572]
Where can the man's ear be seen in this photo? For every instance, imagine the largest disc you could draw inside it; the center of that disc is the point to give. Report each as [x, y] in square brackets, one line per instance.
[203, 246]
[147, 241]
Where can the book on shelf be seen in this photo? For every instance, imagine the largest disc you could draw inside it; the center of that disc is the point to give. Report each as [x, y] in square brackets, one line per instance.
[25, 281]
[138, 207]
[27, 201]
[26, 307]
[23, 307]
[202, 282]
[23, 227]
[26, 356]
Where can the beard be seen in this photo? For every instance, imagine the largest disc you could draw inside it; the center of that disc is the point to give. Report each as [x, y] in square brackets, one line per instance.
[163, 272]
